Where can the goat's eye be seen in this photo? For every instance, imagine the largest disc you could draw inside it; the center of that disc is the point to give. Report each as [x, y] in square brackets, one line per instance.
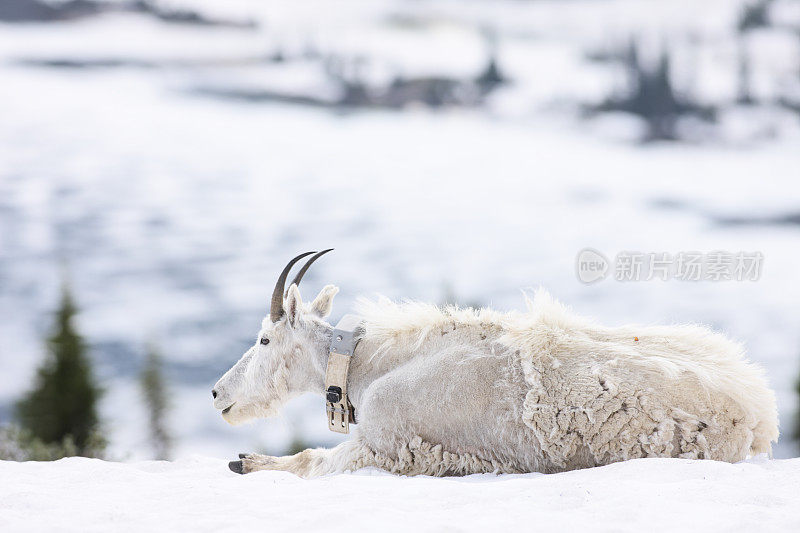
[264, 341]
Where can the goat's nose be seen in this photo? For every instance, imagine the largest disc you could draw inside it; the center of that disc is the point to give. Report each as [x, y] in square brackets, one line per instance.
[214, 393]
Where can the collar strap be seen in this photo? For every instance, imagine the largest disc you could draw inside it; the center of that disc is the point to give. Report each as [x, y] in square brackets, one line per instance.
[340, 411]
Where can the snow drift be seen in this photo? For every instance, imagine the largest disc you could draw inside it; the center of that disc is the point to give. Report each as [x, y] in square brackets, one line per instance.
[200, 494]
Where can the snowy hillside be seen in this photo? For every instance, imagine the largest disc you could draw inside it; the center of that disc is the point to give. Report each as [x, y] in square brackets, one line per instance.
[200, 494]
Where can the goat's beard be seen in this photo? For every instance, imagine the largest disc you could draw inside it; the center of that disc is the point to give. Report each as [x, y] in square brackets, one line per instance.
[264, 405]
[245, 413]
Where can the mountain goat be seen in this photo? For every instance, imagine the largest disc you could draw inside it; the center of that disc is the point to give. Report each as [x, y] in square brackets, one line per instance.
[459, 391]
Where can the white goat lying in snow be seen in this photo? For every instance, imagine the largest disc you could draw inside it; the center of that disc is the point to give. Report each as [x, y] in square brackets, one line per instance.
[459, 391]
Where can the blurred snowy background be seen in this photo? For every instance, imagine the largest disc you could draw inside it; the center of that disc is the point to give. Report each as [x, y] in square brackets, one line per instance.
[171, 156]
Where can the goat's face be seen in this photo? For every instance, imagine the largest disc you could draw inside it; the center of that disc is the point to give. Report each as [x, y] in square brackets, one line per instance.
[286, 360]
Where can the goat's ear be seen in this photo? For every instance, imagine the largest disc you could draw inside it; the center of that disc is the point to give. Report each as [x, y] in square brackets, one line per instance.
[323, 303]
[293, 305]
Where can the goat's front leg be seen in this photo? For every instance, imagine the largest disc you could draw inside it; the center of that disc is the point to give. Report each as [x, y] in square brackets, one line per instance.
[347, 456]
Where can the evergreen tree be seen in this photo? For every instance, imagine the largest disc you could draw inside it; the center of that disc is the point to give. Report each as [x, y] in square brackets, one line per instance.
[754, 15]
[61, 409]
[652, 96]
[155, 397]
[744, 75]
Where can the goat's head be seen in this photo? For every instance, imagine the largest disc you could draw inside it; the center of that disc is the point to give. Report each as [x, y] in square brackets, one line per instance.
[284, 361]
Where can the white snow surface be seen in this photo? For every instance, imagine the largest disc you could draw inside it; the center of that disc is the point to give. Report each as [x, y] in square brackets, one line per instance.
[200, 494]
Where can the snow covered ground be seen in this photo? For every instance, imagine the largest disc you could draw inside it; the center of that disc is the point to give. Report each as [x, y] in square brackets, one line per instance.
[173, 212]
[200, 494]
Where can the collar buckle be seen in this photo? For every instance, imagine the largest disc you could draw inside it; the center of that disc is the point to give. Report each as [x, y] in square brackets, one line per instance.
[340, 412]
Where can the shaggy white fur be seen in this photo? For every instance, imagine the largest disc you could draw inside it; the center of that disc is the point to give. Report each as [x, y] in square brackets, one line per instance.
[457, 391]
[601, 386]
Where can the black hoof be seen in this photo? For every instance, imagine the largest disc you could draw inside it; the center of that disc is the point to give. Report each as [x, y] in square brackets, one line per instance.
[236, 466]
[242, 455]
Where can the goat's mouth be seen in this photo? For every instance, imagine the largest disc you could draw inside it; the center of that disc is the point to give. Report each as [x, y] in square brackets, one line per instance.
[228, 409]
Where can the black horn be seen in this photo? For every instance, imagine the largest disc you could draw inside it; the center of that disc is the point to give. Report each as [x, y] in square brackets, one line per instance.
[303, 270]
[276, 306]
